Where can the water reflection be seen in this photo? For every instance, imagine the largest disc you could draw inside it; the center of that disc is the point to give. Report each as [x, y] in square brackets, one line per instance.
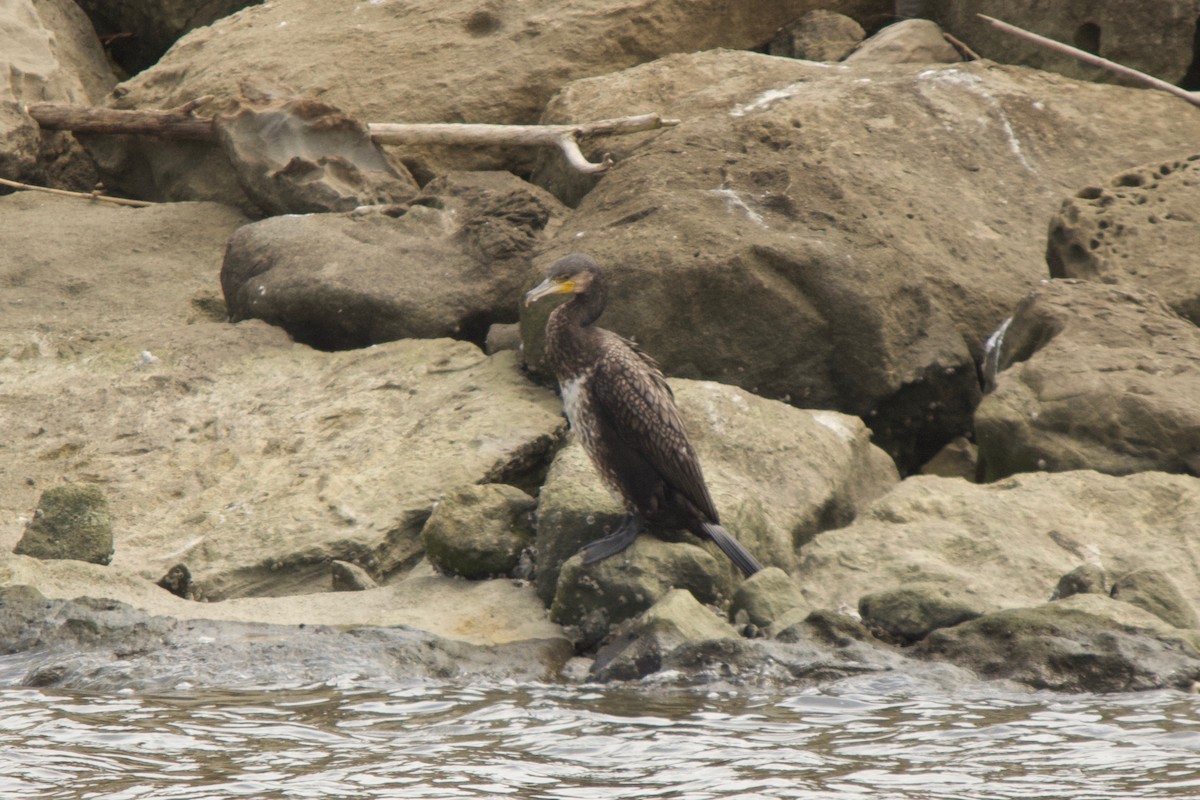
[357, 740]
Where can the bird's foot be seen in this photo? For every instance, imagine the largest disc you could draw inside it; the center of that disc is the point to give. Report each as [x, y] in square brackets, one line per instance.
[614, 543]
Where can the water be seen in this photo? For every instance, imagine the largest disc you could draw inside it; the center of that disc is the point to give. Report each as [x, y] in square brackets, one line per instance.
[359, 740]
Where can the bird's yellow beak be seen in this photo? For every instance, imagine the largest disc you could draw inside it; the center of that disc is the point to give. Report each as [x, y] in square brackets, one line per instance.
[548, 287]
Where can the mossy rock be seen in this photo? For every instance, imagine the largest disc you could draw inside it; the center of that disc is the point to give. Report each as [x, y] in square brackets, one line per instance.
[479, 531]
[910, 613]
[71, 522]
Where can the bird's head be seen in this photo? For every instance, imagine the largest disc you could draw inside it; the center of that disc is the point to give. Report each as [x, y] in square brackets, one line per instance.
[573, 274]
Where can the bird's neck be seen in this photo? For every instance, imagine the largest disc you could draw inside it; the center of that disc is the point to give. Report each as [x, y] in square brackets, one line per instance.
[569, 329]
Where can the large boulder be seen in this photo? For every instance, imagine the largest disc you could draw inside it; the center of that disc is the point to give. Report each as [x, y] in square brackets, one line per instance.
[50, 54]
[778, 476]
[1005, 545]
[792, 234]
[1137, 228]
[425, 61]
[1154, 38]
[452, 264]
[1089, 376]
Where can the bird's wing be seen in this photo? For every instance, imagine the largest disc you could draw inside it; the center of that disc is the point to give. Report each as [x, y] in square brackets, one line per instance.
[632, 393]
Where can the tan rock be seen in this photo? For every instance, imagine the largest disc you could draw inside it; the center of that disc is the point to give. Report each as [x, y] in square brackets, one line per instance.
[1006, 544]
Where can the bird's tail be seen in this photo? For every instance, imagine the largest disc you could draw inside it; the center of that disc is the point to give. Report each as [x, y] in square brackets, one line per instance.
[730, 547]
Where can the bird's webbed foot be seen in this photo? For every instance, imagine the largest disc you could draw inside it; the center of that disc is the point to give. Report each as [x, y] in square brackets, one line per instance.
[614, 543]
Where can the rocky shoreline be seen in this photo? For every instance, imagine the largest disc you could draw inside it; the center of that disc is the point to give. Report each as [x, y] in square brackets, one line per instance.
[931, 324]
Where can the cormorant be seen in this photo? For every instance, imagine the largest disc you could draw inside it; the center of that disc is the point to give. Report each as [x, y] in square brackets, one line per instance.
[616, 397]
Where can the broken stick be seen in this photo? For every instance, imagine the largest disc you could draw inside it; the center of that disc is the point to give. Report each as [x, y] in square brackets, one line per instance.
[1093, 59]
[180, 123]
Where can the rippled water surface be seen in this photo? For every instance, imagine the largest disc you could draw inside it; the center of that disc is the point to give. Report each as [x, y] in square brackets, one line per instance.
[357, 740]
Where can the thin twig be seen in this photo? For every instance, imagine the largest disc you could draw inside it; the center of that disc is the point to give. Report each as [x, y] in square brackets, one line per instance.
[83, 195]
[963, 49]
[1094, 60]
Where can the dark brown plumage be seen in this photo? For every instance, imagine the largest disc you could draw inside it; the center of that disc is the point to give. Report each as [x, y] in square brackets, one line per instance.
[617, 399]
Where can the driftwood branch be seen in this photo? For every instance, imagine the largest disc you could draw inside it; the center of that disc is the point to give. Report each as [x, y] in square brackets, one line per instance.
[564, 137]
[82, 195]
[181, 123]
[1093, 59]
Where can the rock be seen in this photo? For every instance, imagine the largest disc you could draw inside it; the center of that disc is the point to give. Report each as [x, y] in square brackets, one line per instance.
[766, 596]
[154, 25]
[420, 63]
[1005, 545]
[1081, 580]
[825, 626]
[1086, 642]
[1092, 377]
[676, 618]
[958, 459]
[502, 336]
[590, 599]
[253, 460]
[479, 531]
[475, 612]
[106, 646]
[777, 476]
[910, 613]
[347, 577]
[819, 35]
[917, 41]
[749, 217]
[1137, 229]
[296, 155]
[452, 265]
[71, 521]
[1154, 39]
[1154, 591]
[177, 581]
[50, 55]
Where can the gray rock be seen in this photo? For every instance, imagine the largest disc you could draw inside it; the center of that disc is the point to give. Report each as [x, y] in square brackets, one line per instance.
[910, 613]
[819, 35]
[1087, 642]
[296, 155]
[1081, 580]
[777, 475]
[675, 619]
[479, 531]
[347, 577]
[1154, 591]
[1138, 229]
[1092, 377]
[917, 41]
[71, 521]
[848, 287]
[591, 599]
[765, 597]
[453, 264]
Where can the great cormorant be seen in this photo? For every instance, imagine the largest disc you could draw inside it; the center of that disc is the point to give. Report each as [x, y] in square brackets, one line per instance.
[616, 397]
